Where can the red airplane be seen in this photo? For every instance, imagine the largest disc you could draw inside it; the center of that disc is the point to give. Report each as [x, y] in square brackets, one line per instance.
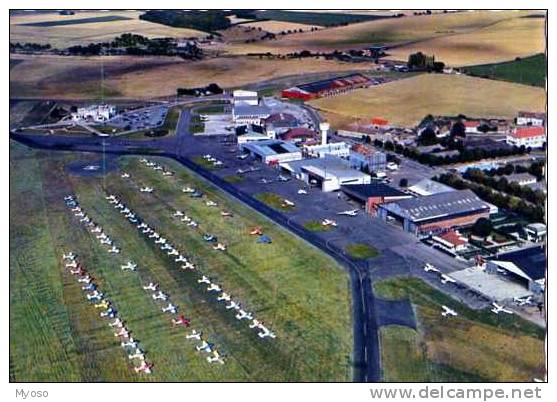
[256, 231]
[181, 321]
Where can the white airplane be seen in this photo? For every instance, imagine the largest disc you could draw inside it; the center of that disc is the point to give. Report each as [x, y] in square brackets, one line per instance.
[215, 358]
[211, 203]
[158, 167]
[85, 219]
[114, 250]
[69, 256]
[214, 287]
[185, 219]
[167, 173]
[170, 309]
[130, 266]
[188, 265]
[125, 211]
[430, 268]
[194, 335]
[447, 311]
[173, 252]
[242, 314]
[123, 332]
[142, 225]
[146, 189]
[102, 235]
[151, 286]
[160, 240]
[96, 295]
[447, 279]
[193, 224]
[150, 164]
[86, 279]
[96, 229]
[350, 212]
[223, 296]
[180, 258]
[110, 197]
[68, 198]
[328, 222]
[204, 279]
[166, 246]
[130, 215]
[80, 214]
[205, 346]
[233, 305]
[130, 343]
[125, 176]
[147, 230]
[265, 332]
[178, 214]
[154, 235]
[287, 203]
[143, 160]
[217, 163]
[114, 201]
[498, 309]
[106, 241]
[188, 190]
[302, 191]
[208, 156]
[220, 247]
[119, 206]
[255, 324]
[225, 213]
[159, 296]
[72, 264]
[116, 323]
[523, 301]
[76, 209]
[138, 354]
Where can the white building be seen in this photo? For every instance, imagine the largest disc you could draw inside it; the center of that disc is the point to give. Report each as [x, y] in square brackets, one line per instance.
[329, 172]
[272, 151]
[242, 97]
[244, 114]
[97, 113]
[522, 179]
[536, 232]
[530, 119]
[339, 149]
[528, 136]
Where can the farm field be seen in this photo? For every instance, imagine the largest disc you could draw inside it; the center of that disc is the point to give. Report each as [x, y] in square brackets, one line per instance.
[497, 42]
[411, 29]
[128, 77]
[529, 71]
[441, 349]
[278, 26]
[406, 102]
[311, 18]
[82, 33]
[307, 305]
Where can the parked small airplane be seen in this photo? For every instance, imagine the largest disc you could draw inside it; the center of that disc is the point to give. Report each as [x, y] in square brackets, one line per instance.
[205, 346]
[146, 189]
[144, 368]
[287, 203]
[256, 231]
[430, 268]
[223, 296]
[159, 296]
[523, 301]
[226, 214]
[220, 247]
[181, 321]
[114, 250]
[188, 265]
[213, 287]
[204, 279]
[211, 203]
[242, 314]
[498, 309]
[196, 194]
[350, 212]
[130, 266]
[328, 222]
[178, 214]
[215, 358]
[447, 279]
[447, 311]
[188, 190]
[302, 191]
[209, 238]
[194, 335]
[125, 176]
[170, 309]
[151, 286]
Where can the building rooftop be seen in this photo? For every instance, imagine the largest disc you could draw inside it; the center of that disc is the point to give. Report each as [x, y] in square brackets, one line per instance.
[438, 205]
[429, 187]
[532, 261]
[278, 118]
[326, 166]
[334, 83]
[271, 147]
[251, 110]
[532, 115]
[453, 238]
[520, 177]
[299, 132]
[374, 190]
[528, 132]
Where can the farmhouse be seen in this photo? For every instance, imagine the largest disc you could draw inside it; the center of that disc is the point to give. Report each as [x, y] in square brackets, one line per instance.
[435, 213]
[374, 194]
[528, 136]
[272, 151]
[329, 172]
[530, 119]
[525, 266]
[329, 87]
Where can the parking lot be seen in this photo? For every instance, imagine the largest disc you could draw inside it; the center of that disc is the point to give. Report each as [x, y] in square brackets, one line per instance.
[217, 124]
[140, 119]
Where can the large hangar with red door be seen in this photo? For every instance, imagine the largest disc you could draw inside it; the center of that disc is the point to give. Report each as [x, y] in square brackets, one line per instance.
[329, 87]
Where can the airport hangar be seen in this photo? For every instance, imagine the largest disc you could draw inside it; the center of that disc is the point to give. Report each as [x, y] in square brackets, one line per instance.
[373, 194]
[436, 213]
[329, 87]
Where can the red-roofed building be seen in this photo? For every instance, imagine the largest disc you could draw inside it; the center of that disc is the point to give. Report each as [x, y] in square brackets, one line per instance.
[300, 135]
[452, 241]
[471, 126]
[529, 136]
[530, 119]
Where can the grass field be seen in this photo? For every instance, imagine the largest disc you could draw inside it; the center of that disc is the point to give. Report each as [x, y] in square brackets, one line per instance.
[273, 200]
[417, 29]
[64, 31]
[475, 346]
[55, 335]
[361, 251]
[497, 42]
[148, 77]
[311, 18]
[528, 71]
[316, 226]
[406, 102]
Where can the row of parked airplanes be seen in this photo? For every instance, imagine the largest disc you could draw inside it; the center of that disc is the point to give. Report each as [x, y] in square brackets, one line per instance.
[223, 296]
[156, 295]
[496, 308]
[211, 159]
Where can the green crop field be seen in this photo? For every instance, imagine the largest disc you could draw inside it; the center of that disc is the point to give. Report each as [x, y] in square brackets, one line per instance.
[56, 335]
[106, 18]
[527, 70]
[474, 346]
[319, 19]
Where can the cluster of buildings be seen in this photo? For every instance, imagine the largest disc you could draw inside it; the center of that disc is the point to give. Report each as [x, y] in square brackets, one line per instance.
[529, 130]
[94, 113]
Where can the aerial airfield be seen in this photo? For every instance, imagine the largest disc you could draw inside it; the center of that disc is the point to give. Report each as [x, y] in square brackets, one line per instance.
[283, 229]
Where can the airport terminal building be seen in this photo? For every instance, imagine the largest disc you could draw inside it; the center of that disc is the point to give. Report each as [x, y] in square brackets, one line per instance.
[436, 213]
